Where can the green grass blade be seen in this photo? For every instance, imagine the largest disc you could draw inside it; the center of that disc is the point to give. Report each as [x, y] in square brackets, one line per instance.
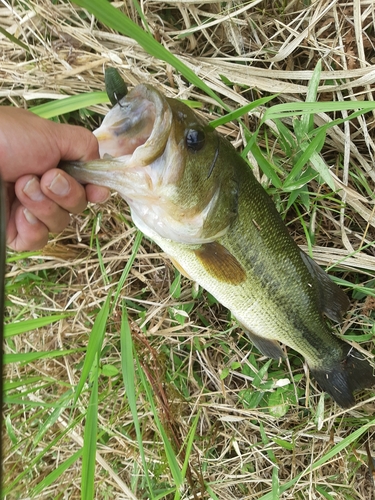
[275, 483]
[127, 363]
[12, 329]
[294, 186]
[55, 474]
[265, 166]
[311, 154]
[286, 110]
[21, 382]
[211, 493]
[335, 450]
[243, 110]
[69, 104]
[13, 39]
[129, 264]
[29, 357]
[338, 121]
[171, 457]
[115, 19]
[89, 441]
[324, 493]
[21, 256]
[94, 346]
[286, 138]
[53, 417]
[101, 262]
[307, 121]
[320, 166]
[164, 493]
[189, 447]
[141, 15]
[310, 147]
[13, 400]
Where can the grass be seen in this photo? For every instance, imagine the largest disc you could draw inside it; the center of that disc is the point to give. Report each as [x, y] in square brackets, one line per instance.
[122, 378]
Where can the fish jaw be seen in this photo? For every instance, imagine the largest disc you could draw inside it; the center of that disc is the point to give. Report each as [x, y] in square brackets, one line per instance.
[136, 130]
[132, 136]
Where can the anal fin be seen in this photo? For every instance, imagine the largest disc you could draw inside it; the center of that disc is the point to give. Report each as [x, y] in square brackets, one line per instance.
[269, 347]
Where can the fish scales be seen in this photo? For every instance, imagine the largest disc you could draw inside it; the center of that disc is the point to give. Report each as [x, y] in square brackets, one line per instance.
[191, 193]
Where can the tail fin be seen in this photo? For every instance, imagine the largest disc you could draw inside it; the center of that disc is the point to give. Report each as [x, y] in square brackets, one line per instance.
[341, 379]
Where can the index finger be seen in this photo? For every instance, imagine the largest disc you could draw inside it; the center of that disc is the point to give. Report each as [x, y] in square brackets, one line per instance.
[32, 145]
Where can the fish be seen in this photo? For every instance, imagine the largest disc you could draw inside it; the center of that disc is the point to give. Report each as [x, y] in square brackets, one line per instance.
[192, 194]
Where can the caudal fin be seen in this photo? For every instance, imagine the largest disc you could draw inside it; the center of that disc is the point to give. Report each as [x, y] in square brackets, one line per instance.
[340, 380]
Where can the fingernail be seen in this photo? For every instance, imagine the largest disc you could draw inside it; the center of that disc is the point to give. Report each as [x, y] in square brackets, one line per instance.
[31, 219]
[32, 190]
[59, 185]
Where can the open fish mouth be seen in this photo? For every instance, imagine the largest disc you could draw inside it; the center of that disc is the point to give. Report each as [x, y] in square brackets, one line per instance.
[138, 125]
[133, 134]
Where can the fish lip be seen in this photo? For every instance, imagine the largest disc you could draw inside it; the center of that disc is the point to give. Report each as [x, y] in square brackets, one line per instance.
[125, 118]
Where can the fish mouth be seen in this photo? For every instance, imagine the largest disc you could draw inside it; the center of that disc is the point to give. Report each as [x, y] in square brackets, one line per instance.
[141, 119]
[133, 134]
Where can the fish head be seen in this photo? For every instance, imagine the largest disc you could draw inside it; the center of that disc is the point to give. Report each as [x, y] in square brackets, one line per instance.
[173, 169]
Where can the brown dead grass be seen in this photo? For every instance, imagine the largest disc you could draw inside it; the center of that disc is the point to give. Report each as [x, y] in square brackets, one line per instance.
[261, 47]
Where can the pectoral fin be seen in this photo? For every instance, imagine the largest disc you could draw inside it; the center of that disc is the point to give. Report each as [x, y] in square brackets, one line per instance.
[220, 263]
[268, 347]
[333, 301]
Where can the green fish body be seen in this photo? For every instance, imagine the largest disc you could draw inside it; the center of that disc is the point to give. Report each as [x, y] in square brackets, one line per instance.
[190, 192]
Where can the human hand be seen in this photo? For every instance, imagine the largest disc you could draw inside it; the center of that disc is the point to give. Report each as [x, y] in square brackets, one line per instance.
[40, 196]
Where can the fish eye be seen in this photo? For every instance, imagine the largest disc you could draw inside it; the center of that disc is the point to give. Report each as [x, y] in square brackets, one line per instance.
[195, 139]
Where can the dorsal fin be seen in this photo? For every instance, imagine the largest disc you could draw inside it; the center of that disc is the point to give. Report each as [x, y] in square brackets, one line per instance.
[332, 300]
[220, 263]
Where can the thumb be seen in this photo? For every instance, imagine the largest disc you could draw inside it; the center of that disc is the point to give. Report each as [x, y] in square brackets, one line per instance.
[76, 143]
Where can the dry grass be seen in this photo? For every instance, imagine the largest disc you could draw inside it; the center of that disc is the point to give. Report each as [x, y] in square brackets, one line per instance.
[260, 47]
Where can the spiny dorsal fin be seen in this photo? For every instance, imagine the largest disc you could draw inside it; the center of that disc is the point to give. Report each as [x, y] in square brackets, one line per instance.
[220, 263]
[333, 301]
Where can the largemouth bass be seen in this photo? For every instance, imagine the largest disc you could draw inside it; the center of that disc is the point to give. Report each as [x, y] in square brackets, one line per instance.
[190, 192]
